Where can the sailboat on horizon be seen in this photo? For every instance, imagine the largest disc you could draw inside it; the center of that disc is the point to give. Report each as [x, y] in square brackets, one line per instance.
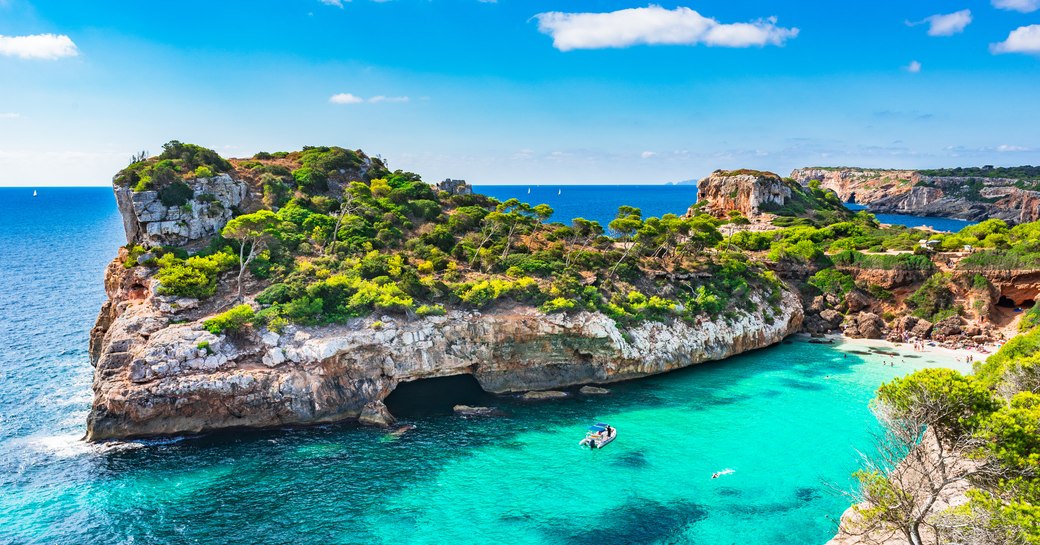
[34, 193]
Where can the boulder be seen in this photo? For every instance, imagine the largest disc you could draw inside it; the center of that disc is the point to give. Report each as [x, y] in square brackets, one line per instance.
[545, 394]
[948, 327]
[593, 390]
[865, 325]
[467, 410]
[831, 318]
[921, 329]
[856, 300]
[375, 413]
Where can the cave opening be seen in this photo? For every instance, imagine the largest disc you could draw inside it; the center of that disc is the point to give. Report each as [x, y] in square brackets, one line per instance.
[852, 198]
[435, 396]
[1005, 302]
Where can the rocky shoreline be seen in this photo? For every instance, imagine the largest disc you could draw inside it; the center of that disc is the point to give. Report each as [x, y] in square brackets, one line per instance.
[159, 372]
[913, 193]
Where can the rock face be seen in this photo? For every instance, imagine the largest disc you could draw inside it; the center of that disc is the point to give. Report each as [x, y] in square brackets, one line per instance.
[154, 376]
[150, 223]
[375, 413]
[932, 201]
[865, 325]
[861, 186]
[741, 190]
[910, 192]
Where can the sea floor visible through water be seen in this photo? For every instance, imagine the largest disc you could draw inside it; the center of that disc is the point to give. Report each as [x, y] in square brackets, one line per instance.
[785, 423]
[788, 421]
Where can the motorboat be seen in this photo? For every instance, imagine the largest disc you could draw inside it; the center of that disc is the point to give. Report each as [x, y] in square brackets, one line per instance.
[598, 435]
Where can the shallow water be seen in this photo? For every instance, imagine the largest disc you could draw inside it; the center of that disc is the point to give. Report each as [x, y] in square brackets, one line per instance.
[787, 420]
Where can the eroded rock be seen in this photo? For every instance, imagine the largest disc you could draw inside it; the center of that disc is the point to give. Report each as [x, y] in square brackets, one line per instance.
[375, 413]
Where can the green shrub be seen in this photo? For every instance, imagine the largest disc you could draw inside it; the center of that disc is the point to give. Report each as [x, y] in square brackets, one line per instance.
[177, 193]
[192, 277]
[231, 321]
[430, 310]
[559, 304]
[1030, 319]
[832, 281]
[203, 171]
[934, 300]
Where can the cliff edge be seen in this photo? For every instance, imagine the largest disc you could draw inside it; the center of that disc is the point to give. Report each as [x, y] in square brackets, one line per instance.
[303, 287]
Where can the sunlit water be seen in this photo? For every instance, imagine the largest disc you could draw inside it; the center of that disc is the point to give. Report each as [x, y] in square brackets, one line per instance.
[787, 420]
[600, 203]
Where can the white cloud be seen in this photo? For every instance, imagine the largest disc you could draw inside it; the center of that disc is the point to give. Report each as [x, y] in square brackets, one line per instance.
[333, 3]
[38, 46]
[914, 67]
[1024, 39]
[946, 24]
[647, 154]
[380, 98]
[1005, 148]
[348, 98]
[654, 25]
[1025, 6]
[345, 98]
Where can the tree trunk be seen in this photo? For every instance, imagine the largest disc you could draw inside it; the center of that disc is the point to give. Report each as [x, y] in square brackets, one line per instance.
[625, 255]
[509, 240]
[243, 262]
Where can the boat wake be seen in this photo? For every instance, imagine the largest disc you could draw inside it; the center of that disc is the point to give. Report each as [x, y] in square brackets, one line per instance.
[726, 471]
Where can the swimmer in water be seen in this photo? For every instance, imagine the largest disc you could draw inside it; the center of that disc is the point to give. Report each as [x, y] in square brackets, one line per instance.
[714, 475]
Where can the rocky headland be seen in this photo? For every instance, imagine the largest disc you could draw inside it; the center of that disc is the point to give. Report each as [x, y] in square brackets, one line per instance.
[985, 195]
[152, 377]
[195, 337]
[162, 368]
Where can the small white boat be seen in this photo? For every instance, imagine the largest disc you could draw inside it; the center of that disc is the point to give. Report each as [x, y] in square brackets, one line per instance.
[529, 191]
[559, 192]
[599, 435]
[34, 193]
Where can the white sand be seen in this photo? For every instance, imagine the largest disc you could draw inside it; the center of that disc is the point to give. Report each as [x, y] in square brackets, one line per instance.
[933, 356]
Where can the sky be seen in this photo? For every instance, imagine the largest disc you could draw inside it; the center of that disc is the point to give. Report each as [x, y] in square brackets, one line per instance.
[522, 91]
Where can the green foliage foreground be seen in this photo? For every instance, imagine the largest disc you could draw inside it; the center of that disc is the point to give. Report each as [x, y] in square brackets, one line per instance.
[986, 431]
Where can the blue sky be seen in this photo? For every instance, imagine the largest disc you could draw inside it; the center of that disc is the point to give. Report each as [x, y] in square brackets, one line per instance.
[523, 92]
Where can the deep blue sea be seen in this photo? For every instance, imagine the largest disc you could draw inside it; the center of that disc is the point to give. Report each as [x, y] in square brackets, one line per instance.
[600, 202]
[787, 421]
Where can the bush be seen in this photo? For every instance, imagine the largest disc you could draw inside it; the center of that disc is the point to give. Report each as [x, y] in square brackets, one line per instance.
[430, 310]
[832, 281]
[559, 304]
[486, 291]
[176, 194]
[193, 277]
[934, 300]
[203, 171]
[231, 321]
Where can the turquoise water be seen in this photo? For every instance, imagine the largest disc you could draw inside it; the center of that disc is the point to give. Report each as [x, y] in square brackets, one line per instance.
[787, 420]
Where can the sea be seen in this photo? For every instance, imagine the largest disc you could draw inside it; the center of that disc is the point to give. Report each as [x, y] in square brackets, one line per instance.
[600, 202]
[783, 427]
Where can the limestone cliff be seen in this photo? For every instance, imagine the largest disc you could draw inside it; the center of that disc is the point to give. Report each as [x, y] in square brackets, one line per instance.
[861, 186]
[744, 191]
[915, 193]
[947, 197]
[150, 222]
[159, 372]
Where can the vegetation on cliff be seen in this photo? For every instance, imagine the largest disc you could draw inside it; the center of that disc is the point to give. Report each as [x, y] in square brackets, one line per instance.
[1021, 173]
[322, 248]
